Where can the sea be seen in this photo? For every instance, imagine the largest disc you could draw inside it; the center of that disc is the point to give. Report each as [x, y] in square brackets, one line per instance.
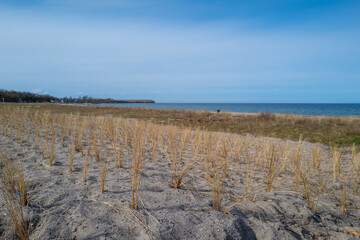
[311, 109]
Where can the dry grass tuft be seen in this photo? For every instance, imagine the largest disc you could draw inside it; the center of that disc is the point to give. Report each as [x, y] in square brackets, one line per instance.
[72, 154]
[12, 205]
[138, 151]
[336, 157]
[95, 147]
[217, 185]
[44, 150]
[21, 184]
[103, 175]
[343, 200]
[86, 164]
[306, 179]
[53, 141]
[273, 168]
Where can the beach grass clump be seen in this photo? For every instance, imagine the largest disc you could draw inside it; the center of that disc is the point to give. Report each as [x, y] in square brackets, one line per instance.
[95, 146]
[343, 202]
[336, 162]
[178, 179]
[183, 140]
[316, 157]
[8, 174]
[285, 155]
[63, 128]
[118, 155]
[86, 164]
[213, 161]
[306, 179]
[356, 173]
[52, 149]
[72, 154]
[224, 155]
[297, 163]
[103, 175]
[273, 167]
[80, 134]
[45, 143]
[176, 147]
[27, 131]
[138, 150]
[37, 135]
[217, 185]
[154, 139]
[21, 183]
[172, 146]
[9, 197]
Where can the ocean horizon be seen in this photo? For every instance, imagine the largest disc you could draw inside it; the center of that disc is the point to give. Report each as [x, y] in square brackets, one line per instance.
[310, 109]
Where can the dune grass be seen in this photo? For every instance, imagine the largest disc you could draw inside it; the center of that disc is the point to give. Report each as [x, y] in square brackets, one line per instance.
[263, 163]
[13, 182]
[342, 131]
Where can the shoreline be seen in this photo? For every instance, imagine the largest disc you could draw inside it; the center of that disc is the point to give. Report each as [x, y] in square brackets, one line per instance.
[260, 108]
[212, 111]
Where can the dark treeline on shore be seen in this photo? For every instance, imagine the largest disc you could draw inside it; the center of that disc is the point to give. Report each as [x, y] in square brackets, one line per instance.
[16, 96]
[86, 99]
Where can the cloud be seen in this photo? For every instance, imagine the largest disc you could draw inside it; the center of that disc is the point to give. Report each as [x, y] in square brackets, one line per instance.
[37, 91]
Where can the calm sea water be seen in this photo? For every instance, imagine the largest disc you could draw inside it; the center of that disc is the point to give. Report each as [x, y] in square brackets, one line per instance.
[301, 109]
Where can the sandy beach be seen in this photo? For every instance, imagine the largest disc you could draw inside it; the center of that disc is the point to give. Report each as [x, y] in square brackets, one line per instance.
[62, 206]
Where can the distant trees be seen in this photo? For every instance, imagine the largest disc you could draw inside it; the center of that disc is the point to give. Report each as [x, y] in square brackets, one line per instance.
[86, 99]
[15, 96]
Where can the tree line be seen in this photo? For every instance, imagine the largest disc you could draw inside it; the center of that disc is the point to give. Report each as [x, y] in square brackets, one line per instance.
[86, 99]
[15, 96]
[28, 97]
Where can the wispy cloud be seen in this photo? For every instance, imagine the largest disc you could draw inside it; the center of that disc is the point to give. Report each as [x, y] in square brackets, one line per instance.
[39, 91]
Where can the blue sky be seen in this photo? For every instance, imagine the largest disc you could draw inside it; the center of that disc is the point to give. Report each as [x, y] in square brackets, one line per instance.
[297, 51]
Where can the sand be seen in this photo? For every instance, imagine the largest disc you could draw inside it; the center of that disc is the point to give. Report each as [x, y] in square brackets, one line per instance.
[61, 206]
